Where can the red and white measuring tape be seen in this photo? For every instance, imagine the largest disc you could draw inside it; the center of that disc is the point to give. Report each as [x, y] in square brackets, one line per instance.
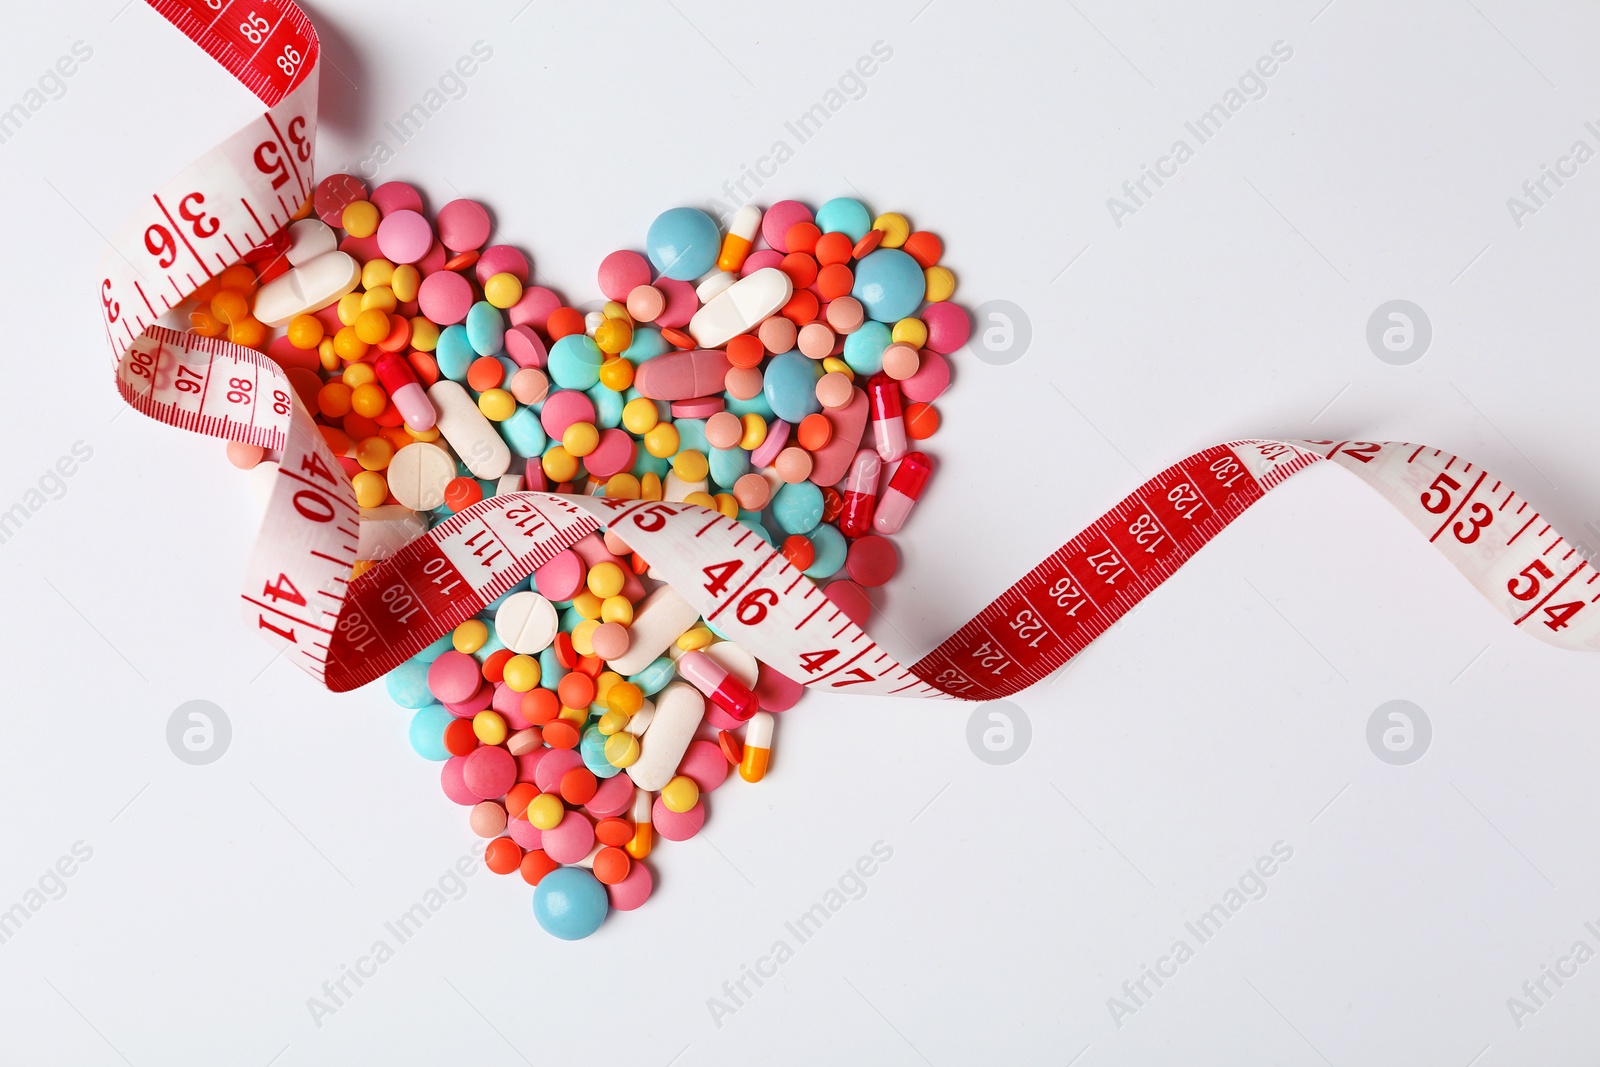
[235, 201]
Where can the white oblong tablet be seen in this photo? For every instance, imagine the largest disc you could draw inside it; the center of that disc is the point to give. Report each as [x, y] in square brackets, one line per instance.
[473, 437]
[308, 239]
[740, 307]
[526, 623]
[309, 287]
[386, 529]
[679, 709]
[418, 474]
[657, 622]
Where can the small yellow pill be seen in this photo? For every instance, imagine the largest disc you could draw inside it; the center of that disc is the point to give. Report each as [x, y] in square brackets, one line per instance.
[895, 229]
[372, 326]
[587, 605]
[727, 505]
[469, 636]
[349, 307]
[755, 432]
[640, 415]
[489, 726]
[559, 464]
[622, 487]
[830, 364]
[502, 290]
[680, 794]
[305, 331]
[358, 374]
[405, 281]
[582, 634]
[941, 283]
[625, 697]
[349, 346]
[374, 453]
[326, 355]
[695, 638]
[649, 486]
[368, 400]
[546, 811]
[521, 673]
[617, 609]
[613, 336]
[703, 499]
[497, 405]
[372, 489]
[424, 334]
[581, 438]
[360, 218]
[616, 374]
[622, 750]
[605, 579]
[661, 440]
[611, 722]
[382, 298]
[912, 331]
[611, 309]
[691, 465]
[376, 272]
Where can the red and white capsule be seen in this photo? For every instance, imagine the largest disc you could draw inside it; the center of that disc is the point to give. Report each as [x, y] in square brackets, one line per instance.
[719, 687]
[888, 420]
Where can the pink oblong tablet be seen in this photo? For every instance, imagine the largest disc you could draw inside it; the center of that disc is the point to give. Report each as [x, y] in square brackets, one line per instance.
[452, 779]
[614, 797]
[930, 381]
[682, 375]
[534, 308]
[445, 297]
[632, 891]
[705, 764]
[489, 771]
[776, 441]
[776, 690]
[700, 407]
[453, 677]
[759, 261]
[682, 303]
[614, 454]
[564, 408]
[404, 236]
[562, 578]
[677, 826]
[948, 326]
[525, 347]
[571, 839]
[831, 462]
[396, 196]
[463, 225]
[620, 272]
[779, 217]
[502, 259]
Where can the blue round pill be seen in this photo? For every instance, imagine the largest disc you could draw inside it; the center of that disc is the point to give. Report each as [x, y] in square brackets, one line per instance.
[846, 216]
[797, 507]
[593, 751]
[427, 732]
[830, 548]
[863, 350]
[454, 352]
[570, 903]
[408, 683]
[647, 343]
[486, 328]
[889, 284]
[683, 243]
[574, 361]
[790, 386]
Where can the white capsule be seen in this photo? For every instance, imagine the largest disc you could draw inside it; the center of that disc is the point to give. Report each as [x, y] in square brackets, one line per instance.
[473, 437]
[312, 286]
[657, 622]
[741, 307]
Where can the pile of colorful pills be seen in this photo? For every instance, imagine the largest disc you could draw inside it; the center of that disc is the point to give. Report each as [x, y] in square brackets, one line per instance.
[777, 373]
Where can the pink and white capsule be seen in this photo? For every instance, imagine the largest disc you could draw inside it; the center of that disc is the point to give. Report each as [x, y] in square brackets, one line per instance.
[410, 399]
[888, 422]
[905, 485]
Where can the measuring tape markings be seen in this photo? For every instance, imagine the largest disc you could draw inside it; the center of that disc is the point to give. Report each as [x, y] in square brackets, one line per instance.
[299, 595]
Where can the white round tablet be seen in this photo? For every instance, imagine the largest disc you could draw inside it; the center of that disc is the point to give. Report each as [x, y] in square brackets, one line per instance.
[418, 474]
[526, 623]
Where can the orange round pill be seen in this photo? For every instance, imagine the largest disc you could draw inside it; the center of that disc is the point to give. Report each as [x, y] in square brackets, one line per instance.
[923, 247]
[802, 237]
[677, 338]
[873, 238]
[815, 431]
[503, 855]
[494, 668]
[540, 706]
[591, 666]
[424, 366]
[576, 690]
[459, 740]
[535, 865]
[746, 350]
[732, 747]
[560, 733]
[578, 785]
[922, 421]
[835, 280]
[566, 655]
[485, 373]
[801, 308]
[832, 503]
[833, 248]
[462, 493]
[462, 260]
[613, 831]
[518, 797]
[801, 269]
[564, 321]
[799, 551]
[611, 865]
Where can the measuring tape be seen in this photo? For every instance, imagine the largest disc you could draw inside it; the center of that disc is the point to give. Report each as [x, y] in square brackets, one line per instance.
[234, 203]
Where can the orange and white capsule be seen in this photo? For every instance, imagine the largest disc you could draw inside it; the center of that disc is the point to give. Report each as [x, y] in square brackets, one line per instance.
[643, 832]
[741, 237]
[757, 747]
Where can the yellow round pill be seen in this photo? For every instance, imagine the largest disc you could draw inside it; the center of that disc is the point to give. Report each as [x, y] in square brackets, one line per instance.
[374, 453]
[502, 290]
[559, 464]
[833, 364]
[895, 229]
[489, 726]
[622, 750]
[587, 605]
[405, 281]
[305, 331]
[605, 579]
[703, 499]
[497, 405]
[349, 307]
[381, 298]
[640, 415]
[583, 633]
[622, 487]
[613, 336]
[521, 673]
[625, 697]
[611, 309]
[941, 283]
[616, 374]
[333, 400]
[348, 346]
[649, 486]
[546, 811]
[618, 609]
[612, 722]
[368, 400]
[912, 331]
[357, 374]
[372, 489]
[376, 272]
[603, 684]
[372, 326]
[360, 218]
[469, 637]
[424, 334]
[691, 465]
[661, 440]
[581, 438]
[755, 432]
[680, 794]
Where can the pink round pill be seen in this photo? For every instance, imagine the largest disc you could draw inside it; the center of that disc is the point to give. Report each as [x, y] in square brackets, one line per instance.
[454, 677]
[752, 491]
[489, 771]
[508, 702]
[930, 381]
[434, 261]
[677, 826]
[445, 297]
[404, 236]
[776, 440]
[900, 361]
[396, 196]
[872, 560]
[681, 305]
[613, 797]
[610, 640]
[835, 390]
[452, 779]
[948, 326]
[557, 762]
[777, 334]
[723, 429]
[614, 454]
[529, 385]
[571, 839]
[562, 578]
[621, 272]
[488, 819]
[528, 762]
[760, 260]
[525, 834]
[523, 742]
[705, 764]
[361, 248]
[779, 217]
[526, 348]
[502, 259]
[244, 455]
[534, 308]
[718, 719]
[742, 383]
[645, 303]
[632, 891]
[851, 599]
[793, 465]
[700, 407]
[777, 691]
[465, 709]
[463, 225]
[816, 340]
[564, 408]
[335, 193]
[845, 314]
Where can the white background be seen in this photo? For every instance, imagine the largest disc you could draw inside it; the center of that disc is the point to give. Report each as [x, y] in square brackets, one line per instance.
[1228, 713]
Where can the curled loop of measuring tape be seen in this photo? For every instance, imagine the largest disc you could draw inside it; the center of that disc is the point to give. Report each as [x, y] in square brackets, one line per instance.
[237, 199]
